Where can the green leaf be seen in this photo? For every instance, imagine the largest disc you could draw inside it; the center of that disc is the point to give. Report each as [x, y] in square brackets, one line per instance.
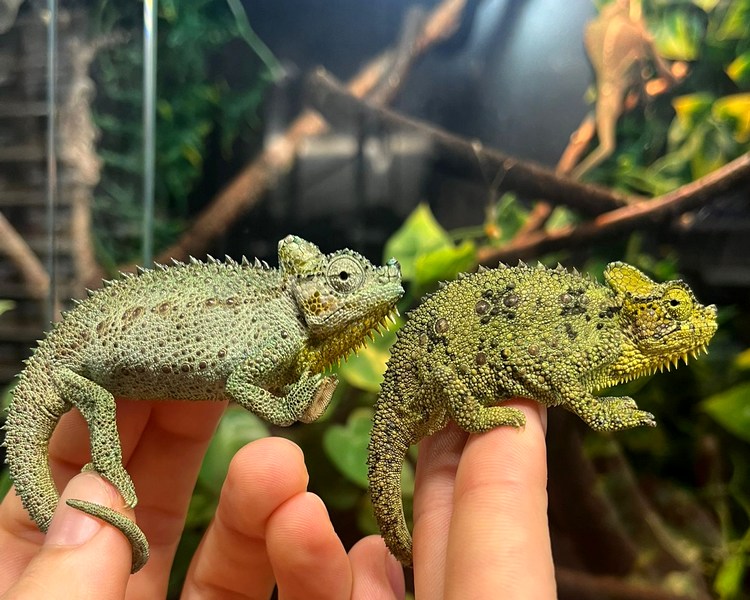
[692, 108]
[731, 409]
[728, 582]
[735, 23]
[735, 109]
[346, 446]
[5, 483]
[444, 263]
[742, 360]
[6, 305]
[678, 35]
[419, 235]
[739, 69]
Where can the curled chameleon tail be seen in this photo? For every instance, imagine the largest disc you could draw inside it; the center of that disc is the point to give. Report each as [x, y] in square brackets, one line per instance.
[386, 453]
[128, 528]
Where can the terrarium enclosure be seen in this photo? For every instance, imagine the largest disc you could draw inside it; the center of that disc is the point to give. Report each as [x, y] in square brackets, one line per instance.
[449, 134]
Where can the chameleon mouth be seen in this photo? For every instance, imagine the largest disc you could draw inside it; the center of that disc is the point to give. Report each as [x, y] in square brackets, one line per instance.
[668, 363]
[380, 327]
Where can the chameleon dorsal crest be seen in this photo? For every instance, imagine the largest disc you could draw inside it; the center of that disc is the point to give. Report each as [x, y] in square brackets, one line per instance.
[626, 279]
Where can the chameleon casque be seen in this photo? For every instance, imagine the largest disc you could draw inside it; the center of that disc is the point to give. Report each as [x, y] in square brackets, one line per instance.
[259, 336]
[546, 334]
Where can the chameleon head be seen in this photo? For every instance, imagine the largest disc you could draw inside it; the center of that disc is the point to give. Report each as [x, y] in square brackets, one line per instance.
[662, 323]
[342, 296]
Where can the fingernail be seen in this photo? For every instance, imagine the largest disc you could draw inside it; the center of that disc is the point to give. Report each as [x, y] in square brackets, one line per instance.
[71, 527]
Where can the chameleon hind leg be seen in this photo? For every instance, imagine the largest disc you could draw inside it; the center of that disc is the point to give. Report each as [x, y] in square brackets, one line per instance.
[97, 406]
[469, 413]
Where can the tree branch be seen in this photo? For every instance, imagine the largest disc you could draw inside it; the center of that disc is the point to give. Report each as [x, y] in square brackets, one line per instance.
[244, 191]
[617, 222]
[33, 273]
[345, 111]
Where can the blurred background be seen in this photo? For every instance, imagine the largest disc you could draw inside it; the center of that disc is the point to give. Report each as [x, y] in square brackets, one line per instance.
[447, 133]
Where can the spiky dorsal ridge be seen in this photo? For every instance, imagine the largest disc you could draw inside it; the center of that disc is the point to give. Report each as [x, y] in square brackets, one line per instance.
[159, 268]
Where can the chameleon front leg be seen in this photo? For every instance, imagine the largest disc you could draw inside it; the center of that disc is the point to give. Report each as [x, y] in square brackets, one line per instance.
[303, 400]
[467, 411]
[610, 413]
[97, 406]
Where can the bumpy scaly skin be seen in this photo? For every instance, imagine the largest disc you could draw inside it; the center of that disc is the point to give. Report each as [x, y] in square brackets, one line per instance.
[201, 331]
[549, 335]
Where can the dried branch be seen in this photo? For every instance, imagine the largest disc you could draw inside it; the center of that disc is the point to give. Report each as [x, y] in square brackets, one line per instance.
[277, 158]
[628, 218]
[33, 273]
[345, 111]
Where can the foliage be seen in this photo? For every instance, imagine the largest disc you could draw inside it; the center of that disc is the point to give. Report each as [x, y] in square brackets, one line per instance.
[702, 123]
[197, 107]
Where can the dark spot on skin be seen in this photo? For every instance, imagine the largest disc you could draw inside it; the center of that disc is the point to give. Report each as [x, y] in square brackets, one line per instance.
[284, 335]
[423, 339]
[484, 320]
[533, 350]
[163, 308]
[572, 334]
[482, 307]
[185, 368]
[481, 358]
[487, 293]
[221, 353]
[505, 353]
[511, 300]
[231, 301]
[600, 325]
[441, 325]
[210, 302]
[202, 365]
[166, 369]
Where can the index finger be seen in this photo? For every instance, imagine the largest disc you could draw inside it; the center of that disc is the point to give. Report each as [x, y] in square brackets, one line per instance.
[499, 530]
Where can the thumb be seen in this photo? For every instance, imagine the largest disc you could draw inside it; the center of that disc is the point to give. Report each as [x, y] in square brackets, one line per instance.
[82, 557]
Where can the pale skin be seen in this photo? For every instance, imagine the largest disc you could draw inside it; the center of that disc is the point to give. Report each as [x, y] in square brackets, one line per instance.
[480, 519]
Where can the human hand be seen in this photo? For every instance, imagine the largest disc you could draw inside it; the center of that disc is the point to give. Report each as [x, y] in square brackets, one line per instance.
[480, 513]
[268, 530]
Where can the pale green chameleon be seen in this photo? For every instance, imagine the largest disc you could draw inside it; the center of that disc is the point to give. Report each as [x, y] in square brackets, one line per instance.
[200, 331]
[549, 335]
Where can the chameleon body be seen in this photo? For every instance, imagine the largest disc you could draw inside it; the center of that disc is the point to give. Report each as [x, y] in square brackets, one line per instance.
[245, 332]
[545, 334]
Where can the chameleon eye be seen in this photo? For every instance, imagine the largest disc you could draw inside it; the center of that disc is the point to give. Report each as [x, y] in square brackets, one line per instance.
[678, 302]
[345, 274]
